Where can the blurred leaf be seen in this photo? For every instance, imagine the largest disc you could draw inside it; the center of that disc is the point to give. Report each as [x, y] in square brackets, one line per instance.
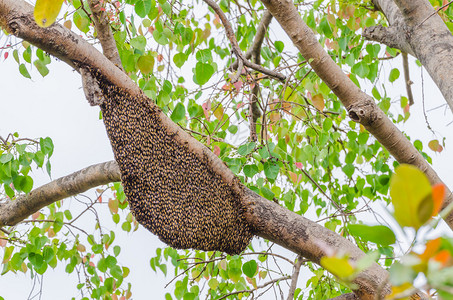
[411, 196]
[379, 234]
[339, 267]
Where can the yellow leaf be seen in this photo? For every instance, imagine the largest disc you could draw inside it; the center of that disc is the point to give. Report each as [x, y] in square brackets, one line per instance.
[338, 266]
[411, 196]
[46, 11]
[396, 290]
[218, 112]
[68, 24]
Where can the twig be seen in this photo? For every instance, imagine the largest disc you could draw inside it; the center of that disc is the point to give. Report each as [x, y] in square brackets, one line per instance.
[236, 50]
[295, 277]
[258, 40]
[407, 78]
[269, 254]
[258, 287]
[437, 11]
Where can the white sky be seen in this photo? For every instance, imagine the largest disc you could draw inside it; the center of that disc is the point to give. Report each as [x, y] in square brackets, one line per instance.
[55, 106]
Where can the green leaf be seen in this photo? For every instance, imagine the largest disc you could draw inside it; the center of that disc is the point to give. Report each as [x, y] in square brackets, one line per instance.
[394, 75]
[250, 268]
[6, 158]
[139, 43]
[46, 145]
[279, 46]
[116, 250]
[348, 169]
[246, 149]
[187, 36]
[26, 184]
[203, 73]
[46, 11]
[379, 234]
[116, 272]
[23, 70]
[126, 226]
[159, 37]
[36, 259]
[81, 21]
[267, 193]
[146, 64]
[271, 170]
[142, 7]
[204, 56]
[179, 113]
[250, 170]
[179, 59]
[213, 283]
[9, 191]
[41, 67]
[361, 69]
[410, 191]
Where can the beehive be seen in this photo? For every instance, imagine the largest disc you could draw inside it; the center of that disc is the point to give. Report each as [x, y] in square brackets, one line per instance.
[171, 191]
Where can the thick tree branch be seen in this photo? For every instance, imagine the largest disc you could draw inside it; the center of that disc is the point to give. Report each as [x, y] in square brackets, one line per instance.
[427, 35]
[361, 107]
[104, 32]
[391, 36]
[12, 212]
[234, 44]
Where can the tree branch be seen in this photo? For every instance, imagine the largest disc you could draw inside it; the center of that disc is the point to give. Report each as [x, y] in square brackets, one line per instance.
[295, 277]
[407, 78]
[258, 40]
[234, 44]
[12, 212]
[391, 36]
[104, 32]
[428, 37]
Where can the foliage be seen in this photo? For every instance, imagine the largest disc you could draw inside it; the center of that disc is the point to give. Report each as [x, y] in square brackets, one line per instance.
[309, 156]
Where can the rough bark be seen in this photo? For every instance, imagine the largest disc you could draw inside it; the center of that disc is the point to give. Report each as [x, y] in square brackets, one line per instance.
[361, 107]
[104, 33]
[12, 212]
[423, 34]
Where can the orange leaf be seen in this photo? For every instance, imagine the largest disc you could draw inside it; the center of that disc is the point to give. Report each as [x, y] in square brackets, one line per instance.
[216, 150]
[35, 215]
[274, 117]
[293, 177]
[443, 257]
[431, 248]
[318, 101]
[435, 146]
[438, 195]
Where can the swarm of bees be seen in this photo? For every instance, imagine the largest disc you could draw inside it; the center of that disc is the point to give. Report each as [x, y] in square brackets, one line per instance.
[171, 191]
